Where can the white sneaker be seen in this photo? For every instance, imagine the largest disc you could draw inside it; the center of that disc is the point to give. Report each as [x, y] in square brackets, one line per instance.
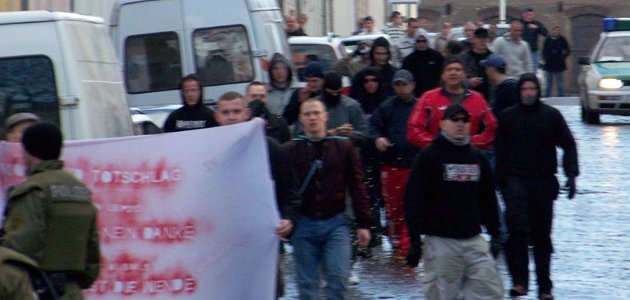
[354, 278]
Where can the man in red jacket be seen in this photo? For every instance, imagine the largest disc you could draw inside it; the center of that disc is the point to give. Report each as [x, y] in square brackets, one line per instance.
[424, 122]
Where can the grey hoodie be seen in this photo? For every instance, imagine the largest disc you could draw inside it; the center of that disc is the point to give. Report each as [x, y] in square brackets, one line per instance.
[516, 54]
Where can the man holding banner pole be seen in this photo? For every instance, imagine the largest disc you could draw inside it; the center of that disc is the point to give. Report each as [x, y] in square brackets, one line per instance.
[231, 109]
[327, 166]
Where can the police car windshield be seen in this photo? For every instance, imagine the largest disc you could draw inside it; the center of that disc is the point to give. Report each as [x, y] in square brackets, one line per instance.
[614, 49]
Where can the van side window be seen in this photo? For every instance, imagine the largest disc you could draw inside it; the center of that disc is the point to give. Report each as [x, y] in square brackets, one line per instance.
[153, 62]
[27, 84]
[223, 55]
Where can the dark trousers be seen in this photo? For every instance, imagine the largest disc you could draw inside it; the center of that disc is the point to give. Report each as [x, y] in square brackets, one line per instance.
[529, 214]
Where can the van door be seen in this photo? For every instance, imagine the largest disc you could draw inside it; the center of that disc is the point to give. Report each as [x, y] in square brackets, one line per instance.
[148, 36]
[269, 34]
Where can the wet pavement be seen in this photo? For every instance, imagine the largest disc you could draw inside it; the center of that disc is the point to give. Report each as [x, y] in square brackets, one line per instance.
[591, 232]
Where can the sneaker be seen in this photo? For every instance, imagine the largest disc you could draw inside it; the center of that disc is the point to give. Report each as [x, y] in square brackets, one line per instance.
[354, 278]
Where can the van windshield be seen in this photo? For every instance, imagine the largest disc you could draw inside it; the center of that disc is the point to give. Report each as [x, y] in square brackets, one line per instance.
[223, 55]
[27, 84]
[152, 62]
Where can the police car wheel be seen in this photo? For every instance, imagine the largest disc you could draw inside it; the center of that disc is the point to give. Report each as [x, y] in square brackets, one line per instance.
[590, 117]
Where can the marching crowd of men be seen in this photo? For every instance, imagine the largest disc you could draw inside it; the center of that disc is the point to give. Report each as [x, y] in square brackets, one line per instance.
[431, 136]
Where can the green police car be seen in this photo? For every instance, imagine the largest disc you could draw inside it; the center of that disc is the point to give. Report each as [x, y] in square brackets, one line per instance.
[604, 82]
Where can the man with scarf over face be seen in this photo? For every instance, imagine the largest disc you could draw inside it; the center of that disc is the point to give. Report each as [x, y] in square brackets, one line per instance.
[256, 100]
[345, 117]
[526, 142]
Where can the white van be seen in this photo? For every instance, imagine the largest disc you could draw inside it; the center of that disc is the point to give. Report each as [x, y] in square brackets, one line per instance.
[62, 67]
[227, 43]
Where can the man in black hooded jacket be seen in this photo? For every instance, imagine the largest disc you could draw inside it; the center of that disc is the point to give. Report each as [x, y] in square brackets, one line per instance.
[425, 64]
[193, 114]
[526, 141]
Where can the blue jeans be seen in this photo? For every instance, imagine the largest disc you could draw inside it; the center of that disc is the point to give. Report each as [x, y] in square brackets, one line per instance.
[322, 246]
[559, 82]
[534, 61]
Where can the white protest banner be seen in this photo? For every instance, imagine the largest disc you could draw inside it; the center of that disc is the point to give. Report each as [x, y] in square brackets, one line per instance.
[189, 215]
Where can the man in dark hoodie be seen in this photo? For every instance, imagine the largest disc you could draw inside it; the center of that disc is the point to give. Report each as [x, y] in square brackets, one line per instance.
[368, 90]
[526, 142]
[193, 114]
[380, 56]
[425, 64]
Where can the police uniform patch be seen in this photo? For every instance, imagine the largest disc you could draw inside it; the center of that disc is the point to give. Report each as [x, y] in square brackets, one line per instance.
[65, 192]
[462, 172]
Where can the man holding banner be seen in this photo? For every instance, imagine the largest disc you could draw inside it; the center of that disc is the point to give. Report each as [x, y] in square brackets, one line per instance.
[327, 166]
[231, 109]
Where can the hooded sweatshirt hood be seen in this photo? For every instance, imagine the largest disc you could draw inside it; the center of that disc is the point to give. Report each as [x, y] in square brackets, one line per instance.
[277, 59]
[181, 90]
[536, 103]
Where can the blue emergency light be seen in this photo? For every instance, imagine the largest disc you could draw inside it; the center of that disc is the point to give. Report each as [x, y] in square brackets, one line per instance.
[616, 24]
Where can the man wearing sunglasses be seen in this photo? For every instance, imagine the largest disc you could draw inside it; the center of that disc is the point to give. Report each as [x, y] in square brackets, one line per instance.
[425, 64]
[449, 195]
[424, 122]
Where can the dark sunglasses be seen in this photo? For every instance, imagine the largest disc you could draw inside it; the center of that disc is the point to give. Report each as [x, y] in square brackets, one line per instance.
[458, 119]
[421, 41]
[369, 80]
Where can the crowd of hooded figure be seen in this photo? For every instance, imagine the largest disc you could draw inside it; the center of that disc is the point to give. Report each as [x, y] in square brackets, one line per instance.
[435, 144]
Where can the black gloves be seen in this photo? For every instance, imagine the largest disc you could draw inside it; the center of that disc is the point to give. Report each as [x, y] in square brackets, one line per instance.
[495, 247]
[570, 186]
[414, 254]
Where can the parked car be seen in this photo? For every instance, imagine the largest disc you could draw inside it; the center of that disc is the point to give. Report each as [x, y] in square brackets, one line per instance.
[142, 124]
[350, 43]
[604, 80]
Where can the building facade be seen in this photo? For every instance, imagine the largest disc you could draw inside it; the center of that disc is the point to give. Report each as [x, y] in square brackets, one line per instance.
[579, 20]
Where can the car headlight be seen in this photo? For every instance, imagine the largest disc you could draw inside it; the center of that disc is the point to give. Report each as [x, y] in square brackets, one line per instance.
[610, 83]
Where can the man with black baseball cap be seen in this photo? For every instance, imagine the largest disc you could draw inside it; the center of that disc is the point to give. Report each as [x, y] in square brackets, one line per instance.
[51, 217]
[449, 195]
[388, 129]
[475, 76]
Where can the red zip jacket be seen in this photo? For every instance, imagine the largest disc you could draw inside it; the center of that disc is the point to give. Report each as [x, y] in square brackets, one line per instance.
[424, 121]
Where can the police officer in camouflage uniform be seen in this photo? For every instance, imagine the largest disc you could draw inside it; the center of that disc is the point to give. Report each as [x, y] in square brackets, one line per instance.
[15, 282]
[50, 216]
